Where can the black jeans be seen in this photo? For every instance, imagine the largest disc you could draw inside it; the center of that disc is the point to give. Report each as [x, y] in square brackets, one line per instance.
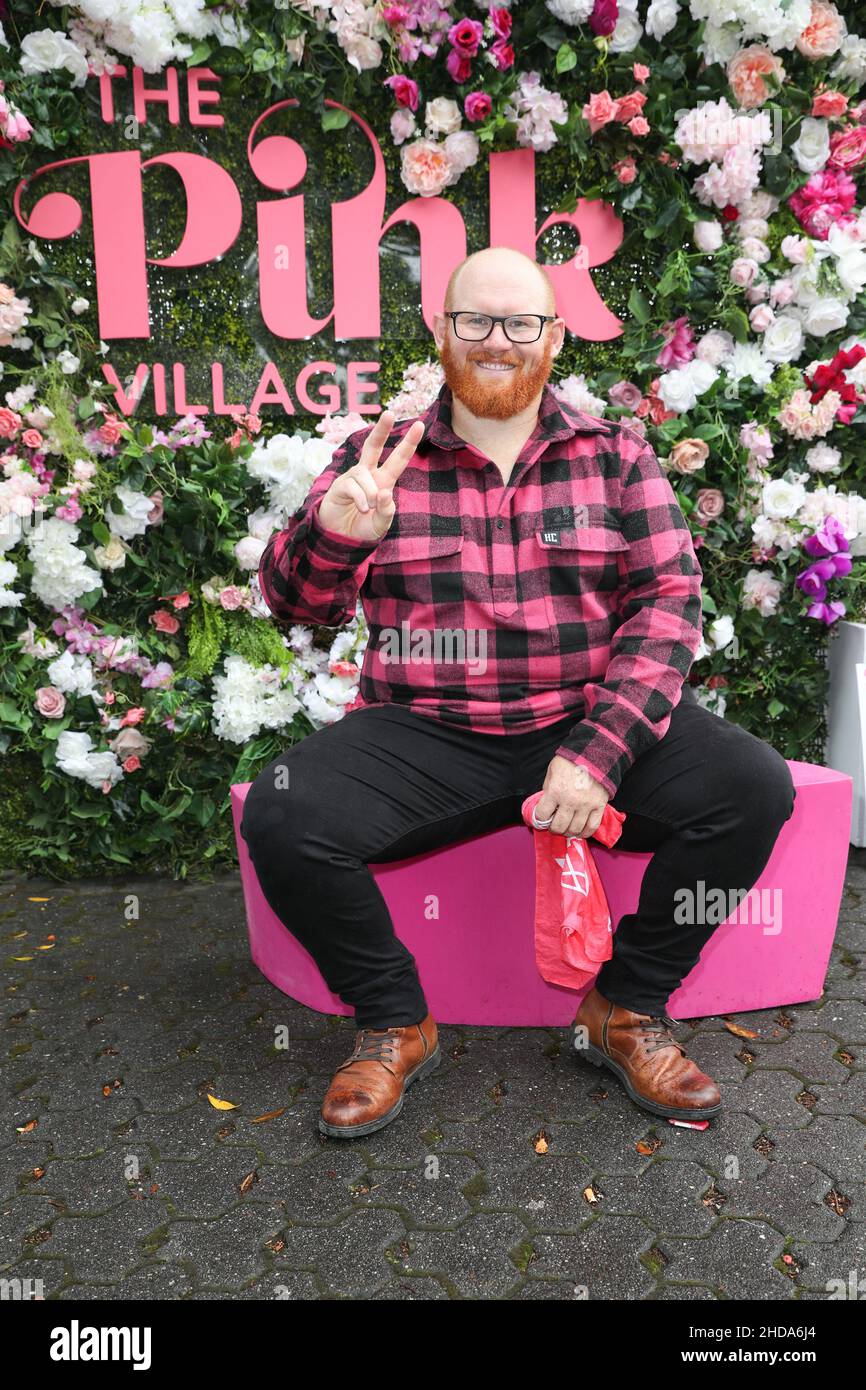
[384, 783]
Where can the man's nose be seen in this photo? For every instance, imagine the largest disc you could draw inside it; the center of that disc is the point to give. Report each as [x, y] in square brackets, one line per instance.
[498, 338]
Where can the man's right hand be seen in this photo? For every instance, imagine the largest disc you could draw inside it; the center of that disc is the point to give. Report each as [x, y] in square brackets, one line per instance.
[360, 502]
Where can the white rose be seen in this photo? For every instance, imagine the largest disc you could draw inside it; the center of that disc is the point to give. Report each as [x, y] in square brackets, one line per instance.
[783, 340]
[47, 50]
[69, 363]
[822, 458]
[722, 631]
[627, 34]
[708, 235]
[80, 305]
[249, 551]
[780, 498]
[111, 556]
[811, 149]
[442, 116]
[661, 17]
[714, 346]
[825, 315]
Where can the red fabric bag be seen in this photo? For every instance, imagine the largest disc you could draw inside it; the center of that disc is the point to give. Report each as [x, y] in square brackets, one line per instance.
[573, 932]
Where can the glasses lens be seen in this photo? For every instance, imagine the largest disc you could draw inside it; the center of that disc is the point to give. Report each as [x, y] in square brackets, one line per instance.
[472, 325]
[523, 328]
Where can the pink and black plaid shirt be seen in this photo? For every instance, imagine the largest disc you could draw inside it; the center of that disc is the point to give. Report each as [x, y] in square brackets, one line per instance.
[503, 607]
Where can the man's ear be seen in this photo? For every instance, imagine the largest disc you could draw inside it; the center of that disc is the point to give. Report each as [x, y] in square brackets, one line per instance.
[439, 328]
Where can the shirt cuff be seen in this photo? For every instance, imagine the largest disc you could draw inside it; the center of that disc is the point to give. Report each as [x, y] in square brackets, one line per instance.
[334, 547]
[605, 760]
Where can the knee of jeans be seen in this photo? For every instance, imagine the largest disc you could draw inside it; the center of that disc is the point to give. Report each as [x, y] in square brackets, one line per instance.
[272, 817]
[771, 786]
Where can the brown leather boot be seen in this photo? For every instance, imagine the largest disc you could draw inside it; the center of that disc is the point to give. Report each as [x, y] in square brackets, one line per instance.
[368, 1088]
[639, 1048]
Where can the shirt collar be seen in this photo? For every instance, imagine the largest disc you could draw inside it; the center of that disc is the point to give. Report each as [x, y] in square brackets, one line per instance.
[555, 421]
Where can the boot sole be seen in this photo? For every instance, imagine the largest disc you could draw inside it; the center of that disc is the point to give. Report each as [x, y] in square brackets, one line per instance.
[369, 1126]
[673, 1112]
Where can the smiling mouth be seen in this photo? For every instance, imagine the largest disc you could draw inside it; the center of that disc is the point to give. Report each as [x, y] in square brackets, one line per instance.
[496, 366]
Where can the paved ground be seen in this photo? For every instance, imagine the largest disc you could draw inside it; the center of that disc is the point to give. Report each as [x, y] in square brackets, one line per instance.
[121, 1180]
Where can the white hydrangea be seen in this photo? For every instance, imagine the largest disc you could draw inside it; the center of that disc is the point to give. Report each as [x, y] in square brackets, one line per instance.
[61, 573]
[571, 11]
[248, 699]
[288, 466]
[47, 50]
[9, 598]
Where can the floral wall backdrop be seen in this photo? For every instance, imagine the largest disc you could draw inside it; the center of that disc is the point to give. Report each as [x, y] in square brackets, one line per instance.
[141, 672]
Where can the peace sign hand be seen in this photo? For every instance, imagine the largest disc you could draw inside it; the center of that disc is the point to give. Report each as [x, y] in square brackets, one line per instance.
[360, 502]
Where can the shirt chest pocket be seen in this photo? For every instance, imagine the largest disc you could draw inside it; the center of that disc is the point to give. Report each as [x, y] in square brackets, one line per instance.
[421, 568]
[579, 563]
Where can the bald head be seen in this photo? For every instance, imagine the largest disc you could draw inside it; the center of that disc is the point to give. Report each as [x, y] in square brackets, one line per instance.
[504, 274]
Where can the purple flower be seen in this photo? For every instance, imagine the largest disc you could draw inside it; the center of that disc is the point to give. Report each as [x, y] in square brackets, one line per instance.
[827, 612]
[828, 540]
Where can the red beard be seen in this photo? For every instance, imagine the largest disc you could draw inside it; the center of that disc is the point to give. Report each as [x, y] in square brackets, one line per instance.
[498, 400]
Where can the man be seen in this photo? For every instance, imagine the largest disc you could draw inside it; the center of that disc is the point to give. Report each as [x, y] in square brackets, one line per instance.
[556, 537]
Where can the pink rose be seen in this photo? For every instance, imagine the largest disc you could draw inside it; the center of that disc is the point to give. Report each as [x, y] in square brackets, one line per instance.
[425, 167]
[32, 438]
[747, 72]
[50, 702]
[743, 271]
[689, 455]
[405, 90]
[133, 716]
[465, 36]
[629, 106]
[781, 293]
[459, 66]
[10, 422]
[625, 170]
[599, 110]
[639, 126]
[822, 36]
[503, 54]
[501, 21]
[640, 72]
[829, 104]
[131, 764]
[761, 317]
[231, 598]
[157, 511]
[164, 621]
[477, 106]
[709, 504]
[625, 394]
[848, 148]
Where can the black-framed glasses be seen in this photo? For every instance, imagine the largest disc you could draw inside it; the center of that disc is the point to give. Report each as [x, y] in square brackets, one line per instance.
[518, 328]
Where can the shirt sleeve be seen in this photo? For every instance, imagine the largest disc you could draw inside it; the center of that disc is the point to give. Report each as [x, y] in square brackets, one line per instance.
[653, 649]
[308, 573]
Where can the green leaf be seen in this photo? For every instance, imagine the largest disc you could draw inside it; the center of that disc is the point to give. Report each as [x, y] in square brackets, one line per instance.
[101, 532]
[737, 323]
[566, 58]
[333, 119]
[638, 306]
[86, 408]
[199, 55]
[775, 708]
[263, 59]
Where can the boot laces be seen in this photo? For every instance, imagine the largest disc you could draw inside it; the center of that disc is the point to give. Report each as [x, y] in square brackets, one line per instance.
[376, 1044]
[659, 1025]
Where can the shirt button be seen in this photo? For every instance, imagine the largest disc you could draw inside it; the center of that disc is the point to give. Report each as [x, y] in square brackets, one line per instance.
[499, 525]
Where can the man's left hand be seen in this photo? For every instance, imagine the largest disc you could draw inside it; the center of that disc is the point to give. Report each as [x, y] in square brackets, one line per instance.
[574, 799]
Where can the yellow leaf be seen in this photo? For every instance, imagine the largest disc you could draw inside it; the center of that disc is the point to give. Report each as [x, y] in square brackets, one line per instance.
[22, 957]
[46, 948]
[222, 1104]
[589, 1195]
[541, 1145]
[738, 1030]
[39, 900]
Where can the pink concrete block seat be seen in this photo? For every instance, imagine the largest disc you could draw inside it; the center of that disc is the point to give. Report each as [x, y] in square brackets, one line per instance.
[477, 958]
